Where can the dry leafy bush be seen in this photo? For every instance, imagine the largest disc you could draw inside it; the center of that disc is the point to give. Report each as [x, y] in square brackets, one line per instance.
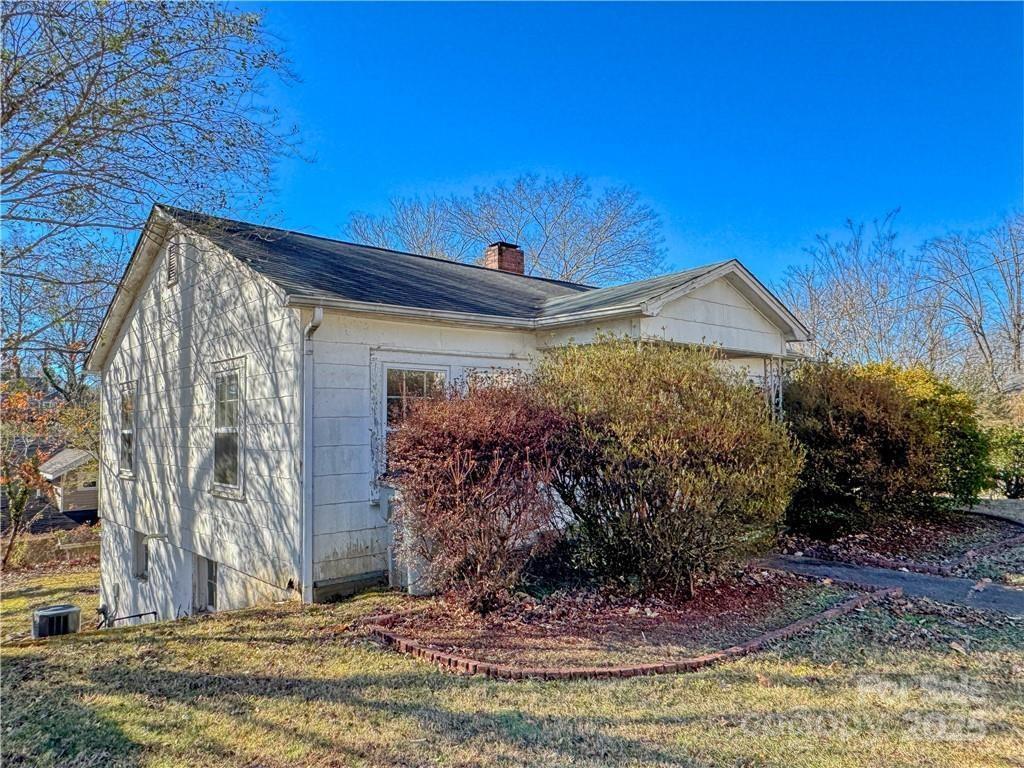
[670, 464]
[473, 469]
[872, 453]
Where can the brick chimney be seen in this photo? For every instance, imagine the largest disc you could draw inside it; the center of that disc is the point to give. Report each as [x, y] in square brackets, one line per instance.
[506, 257]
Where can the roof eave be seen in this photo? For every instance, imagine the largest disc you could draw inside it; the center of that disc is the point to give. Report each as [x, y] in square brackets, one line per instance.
[125, 296]
[461, 318]
[398, 311]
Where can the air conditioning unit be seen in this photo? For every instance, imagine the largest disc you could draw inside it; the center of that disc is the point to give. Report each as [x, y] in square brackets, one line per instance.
[56, 620]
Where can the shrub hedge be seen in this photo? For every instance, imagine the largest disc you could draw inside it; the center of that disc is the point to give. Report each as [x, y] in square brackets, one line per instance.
[669, 463]
[881, 442]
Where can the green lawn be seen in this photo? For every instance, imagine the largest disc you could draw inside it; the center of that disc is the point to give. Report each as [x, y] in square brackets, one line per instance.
[898, 685]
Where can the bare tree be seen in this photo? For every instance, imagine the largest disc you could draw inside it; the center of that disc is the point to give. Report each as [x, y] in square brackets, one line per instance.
[982, 281]
[566, 230]
[864, 298]
[107, 108]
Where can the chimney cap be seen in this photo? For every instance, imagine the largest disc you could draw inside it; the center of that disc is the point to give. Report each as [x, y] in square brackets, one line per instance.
[502, 244]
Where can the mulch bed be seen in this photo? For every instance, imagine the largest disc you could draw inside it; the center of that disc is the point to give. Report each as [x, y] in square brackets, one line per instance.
[600, 629]
[936, 545]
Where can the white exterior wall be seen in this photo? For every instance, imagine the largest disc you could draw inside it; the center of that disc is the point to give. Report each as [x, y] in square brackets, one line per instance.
[218, 309]
[716, 314]
[351, 532]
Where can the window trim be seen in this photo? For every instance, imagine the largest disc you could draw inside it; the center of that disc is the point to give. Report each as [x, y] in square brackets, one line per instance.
[221, 368]
[131, 389]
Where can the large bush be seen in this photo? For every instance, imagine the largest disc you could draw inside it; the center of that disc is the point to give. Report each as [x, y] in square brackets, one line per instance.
[473, 469]
[881, 443]
[670, 465]
[952, 414]
[1008, 460]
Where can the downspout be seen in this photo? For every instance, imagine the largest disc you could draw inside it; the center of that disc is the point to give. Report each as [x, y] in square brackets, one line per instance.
[308, 392]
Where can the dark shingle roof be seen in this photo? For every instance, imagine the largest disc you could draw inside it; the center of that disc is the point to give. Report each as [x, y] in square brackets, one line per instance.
[317, 267]
[628, 294]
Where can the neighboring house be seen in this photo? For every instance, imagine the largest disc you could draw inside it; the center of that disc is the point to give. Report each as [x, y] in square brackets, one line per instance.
[250, 375]
[73, 501]
[73, 475]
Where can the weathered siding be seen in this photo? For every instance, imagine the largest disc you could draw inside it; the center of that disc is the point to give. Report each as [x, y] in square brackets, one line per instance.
[351, 532]
[218, 309]
[716, 314]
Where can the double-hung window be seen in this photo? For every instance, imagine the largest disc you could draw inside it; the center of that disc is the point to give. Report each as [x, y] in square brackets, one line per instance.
[228, 419]
[126, 453]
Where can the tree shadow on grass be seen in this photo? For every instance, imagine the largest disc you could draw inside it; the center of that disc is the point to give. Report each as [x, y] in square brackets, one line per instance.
[50, 725]
[404, 699]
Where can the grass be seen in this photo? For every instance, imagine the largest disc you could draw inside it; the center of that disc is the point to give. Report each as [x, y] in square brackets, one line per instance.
[1005, 567]
[24, 591]
[898, 685]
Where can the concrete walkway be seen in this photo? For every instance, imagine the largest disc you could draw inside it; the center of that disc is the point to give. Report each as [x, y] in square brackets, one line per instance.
[944, 589]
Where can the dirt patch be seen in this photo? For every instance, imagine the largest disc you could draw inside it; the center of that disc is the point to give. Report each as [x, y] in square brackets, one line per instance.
[940, 542]
[595, 628]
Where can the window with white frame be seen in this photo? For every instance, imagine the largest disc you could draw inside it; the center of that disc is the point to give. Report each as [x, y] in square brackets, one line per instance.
[228, 417]
[140, 555]
[400, 378]
[126, 453]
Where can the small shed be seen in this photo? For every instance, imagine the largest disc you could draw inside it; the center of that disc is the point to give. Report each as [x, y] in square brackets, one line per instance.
[74, 475]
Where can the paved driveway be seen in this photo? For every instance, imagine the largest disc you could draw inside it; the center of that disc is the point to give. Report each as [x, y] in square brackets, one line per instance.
[944, 589]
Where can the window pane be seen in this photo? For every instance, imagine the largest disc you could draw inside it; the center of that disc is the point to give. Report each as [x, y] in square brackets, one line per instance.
[225, 459]
[394, 382]
[434, 382]
[414, 383]
[219, 396]
[231, 387]
[126, 451]
[394, 410]
[227, 414]
[211, 584]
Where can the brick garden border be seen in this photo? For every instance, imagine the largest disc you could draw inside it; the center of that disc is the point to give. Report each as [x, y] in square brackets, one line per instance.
[462, 665]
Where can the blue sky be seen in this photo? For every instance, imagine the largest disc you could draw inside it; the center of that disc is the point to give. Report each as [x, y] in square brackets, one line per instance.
[749, 127]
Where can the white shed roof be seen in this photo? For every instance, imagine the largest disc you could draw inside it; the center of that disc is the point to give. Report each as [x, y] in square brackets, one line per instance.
[67, 460]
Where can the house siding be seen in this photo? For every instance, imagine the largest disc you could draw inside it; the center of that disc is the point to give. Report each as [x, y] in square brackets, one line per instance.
[350, 514]
[219, 309]
[718, 314]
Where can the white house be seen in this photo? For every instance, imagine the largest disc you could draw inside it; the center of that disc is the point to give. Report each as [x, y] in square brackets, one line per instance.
[249, 376]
